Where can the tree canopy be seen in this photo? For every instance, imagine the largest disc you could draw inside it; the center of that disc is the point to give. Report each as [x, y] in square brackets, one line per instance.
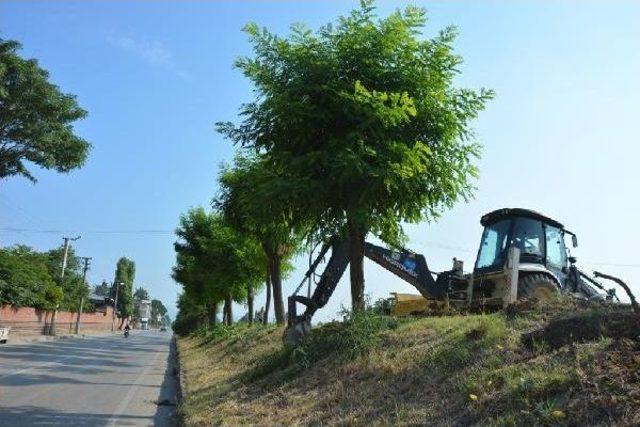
[141, 294]
[32, 279]
[246, 202]
[125, 275]
[35, 119]
[365, 118]
[215, 262]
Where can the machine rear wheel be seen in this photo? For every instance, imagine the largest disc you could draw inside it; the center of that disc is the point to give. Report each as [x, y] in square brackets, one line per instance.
[538, 286]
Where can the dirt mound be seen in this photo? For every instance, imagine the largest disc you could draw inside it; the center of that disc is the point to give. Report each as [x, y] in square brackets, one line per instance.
[582, 327]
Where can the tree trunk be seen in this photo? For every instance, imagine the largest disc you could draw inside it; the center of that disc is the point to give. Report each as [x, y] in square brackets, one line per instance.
[265, 319]
[356, 266]
[52, 326]
[276, 283]
[227, 303]
[213, 313]
[224, 312]
[250, 304]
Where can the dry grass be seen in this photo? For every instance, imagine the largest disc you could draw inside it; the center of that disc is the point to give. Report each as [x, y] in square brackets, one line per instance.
[420, 371]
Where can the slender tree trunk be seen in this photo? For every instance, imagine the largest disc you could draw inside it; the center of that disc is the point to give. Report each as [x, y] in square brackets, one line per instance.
[228, 302]
[250, 304]
[356, 266]
[224, 312]
[265, 319]
[276, 282]
[213, 313]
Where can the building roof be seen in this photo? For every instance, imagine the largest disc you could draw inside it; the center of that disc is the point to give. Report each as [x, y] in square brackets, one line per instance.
[505, 213]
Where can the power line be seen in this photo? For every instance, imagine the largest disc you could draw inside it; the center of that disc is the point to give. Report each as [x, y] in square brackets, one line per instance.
[58, 231]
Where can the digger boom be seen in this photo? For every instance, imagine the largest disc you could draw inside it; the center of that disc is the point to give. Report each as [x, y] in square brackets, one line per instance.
[405, 264]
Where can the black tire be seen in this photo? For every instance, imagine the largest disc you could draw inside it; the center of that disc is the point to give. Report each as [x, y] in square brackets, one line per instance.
[538, 286]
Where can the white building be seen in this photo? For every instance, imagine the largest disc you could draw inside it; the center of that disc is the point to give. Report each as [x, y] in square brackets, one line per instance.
[144, 313]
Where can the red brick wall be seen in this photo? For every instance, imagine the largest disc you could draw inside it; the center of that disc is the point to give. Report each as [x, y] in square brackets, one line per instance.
[30, 321]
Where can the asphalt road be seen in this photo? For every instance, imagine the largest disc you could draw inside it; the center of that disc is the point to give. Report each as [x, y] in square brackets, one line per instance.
[95, 381]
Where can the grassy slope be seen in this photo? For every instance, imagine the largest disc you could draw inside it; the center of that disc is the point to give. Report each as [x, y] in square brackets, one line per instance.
[448, 370]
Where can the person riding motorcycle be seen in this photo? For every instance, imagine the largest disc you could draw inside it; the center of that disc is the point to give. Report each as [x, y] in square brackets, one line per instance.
[126, 330]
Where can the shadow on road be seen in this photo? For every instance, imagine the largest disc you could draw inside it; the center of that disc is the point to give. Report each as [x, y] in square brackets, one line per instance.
[167, 414]
[114, 362]
[37, 416]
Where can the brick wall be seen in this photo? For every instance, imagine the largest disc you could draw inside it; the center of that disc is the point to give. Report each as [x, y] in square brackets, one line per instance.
[30, 321]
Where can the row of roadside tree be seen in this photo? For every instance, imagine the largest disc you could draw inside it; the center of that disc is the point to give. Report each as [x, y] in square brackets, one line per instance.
[29, 278]
[355, 129]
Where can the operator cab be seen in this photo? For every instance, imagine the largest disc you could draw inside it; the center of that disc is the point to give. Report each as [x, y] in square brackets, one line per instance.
[539, 238]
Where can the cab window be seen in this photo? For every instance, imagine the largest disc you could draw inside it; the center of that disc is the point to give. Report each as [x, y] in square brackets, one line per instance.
[556, 252]
[528, 236]
[493, 245]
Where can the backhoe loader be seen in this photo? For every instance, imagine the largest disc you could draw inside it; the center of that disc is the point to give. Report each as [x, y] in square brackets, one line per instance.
[522, 254]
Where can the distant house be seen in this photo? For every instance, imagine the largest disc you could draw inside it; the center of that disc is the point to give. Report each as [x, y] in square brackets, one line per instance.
[100, 303]
[143, 310]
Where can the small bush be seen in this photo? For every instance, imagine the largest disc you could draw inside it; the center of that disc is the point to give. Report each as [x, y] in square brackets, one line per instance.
[352, 338]
[344, 341]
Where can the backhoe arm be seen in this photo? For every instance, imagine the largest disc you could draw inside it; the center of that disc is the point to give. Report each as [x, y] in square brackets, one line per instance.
[407, 265]
[326, 285]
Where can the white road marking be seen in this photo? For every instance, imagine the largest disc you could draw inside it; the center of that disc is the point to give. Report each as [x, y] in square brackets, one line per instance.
[132, 390]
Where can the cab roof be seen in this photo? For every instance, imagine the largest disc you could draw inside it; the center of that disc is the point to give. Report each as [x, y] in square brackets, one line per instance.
[507, 213]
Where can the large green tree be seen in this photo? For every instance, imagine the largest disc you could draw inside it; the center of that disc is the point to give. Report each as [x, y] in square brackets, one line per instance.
[246, 203]
[25, 277]
[124, 276]
[35, 119]
[192, 270]
[365, 115]
[30, 278]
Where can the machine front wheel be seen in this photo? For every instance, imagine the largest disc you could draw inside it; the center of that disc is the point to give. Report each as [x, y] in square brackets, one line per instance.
[538, 286]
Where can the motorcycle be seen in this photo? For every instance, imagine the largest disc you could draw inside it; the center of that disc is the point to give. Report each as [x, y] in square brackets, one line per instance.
[126, 334]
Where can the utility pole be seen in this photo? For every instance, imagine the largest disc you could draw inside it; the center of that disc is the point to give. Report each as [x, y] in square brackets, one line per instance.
[115, 305]
[52, 327]
[87, 261]
[66, 253]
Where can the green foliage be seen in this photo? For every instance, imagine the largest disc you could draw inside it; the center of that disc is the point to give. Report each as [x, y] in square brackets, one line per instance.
[73, 289]
[245, 200]
[35, 119]
[24, 277]
[53, 296]
[192, 313]
[354, 337]
[32, 279]
[125, 274]
[103, 290]
[343, 341]
[213, 261]
[141, 294]
[246, 203]
[157, 309]
[364, 119]
[55, 261]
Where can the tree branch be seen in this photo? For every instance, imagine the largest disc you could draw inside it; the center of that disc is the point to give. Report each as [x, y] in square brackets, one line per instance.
[634, 303]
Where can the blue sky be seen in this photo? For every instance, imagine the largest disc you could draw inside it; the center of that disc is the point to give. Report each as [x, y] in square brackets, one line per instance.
[561, 136]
